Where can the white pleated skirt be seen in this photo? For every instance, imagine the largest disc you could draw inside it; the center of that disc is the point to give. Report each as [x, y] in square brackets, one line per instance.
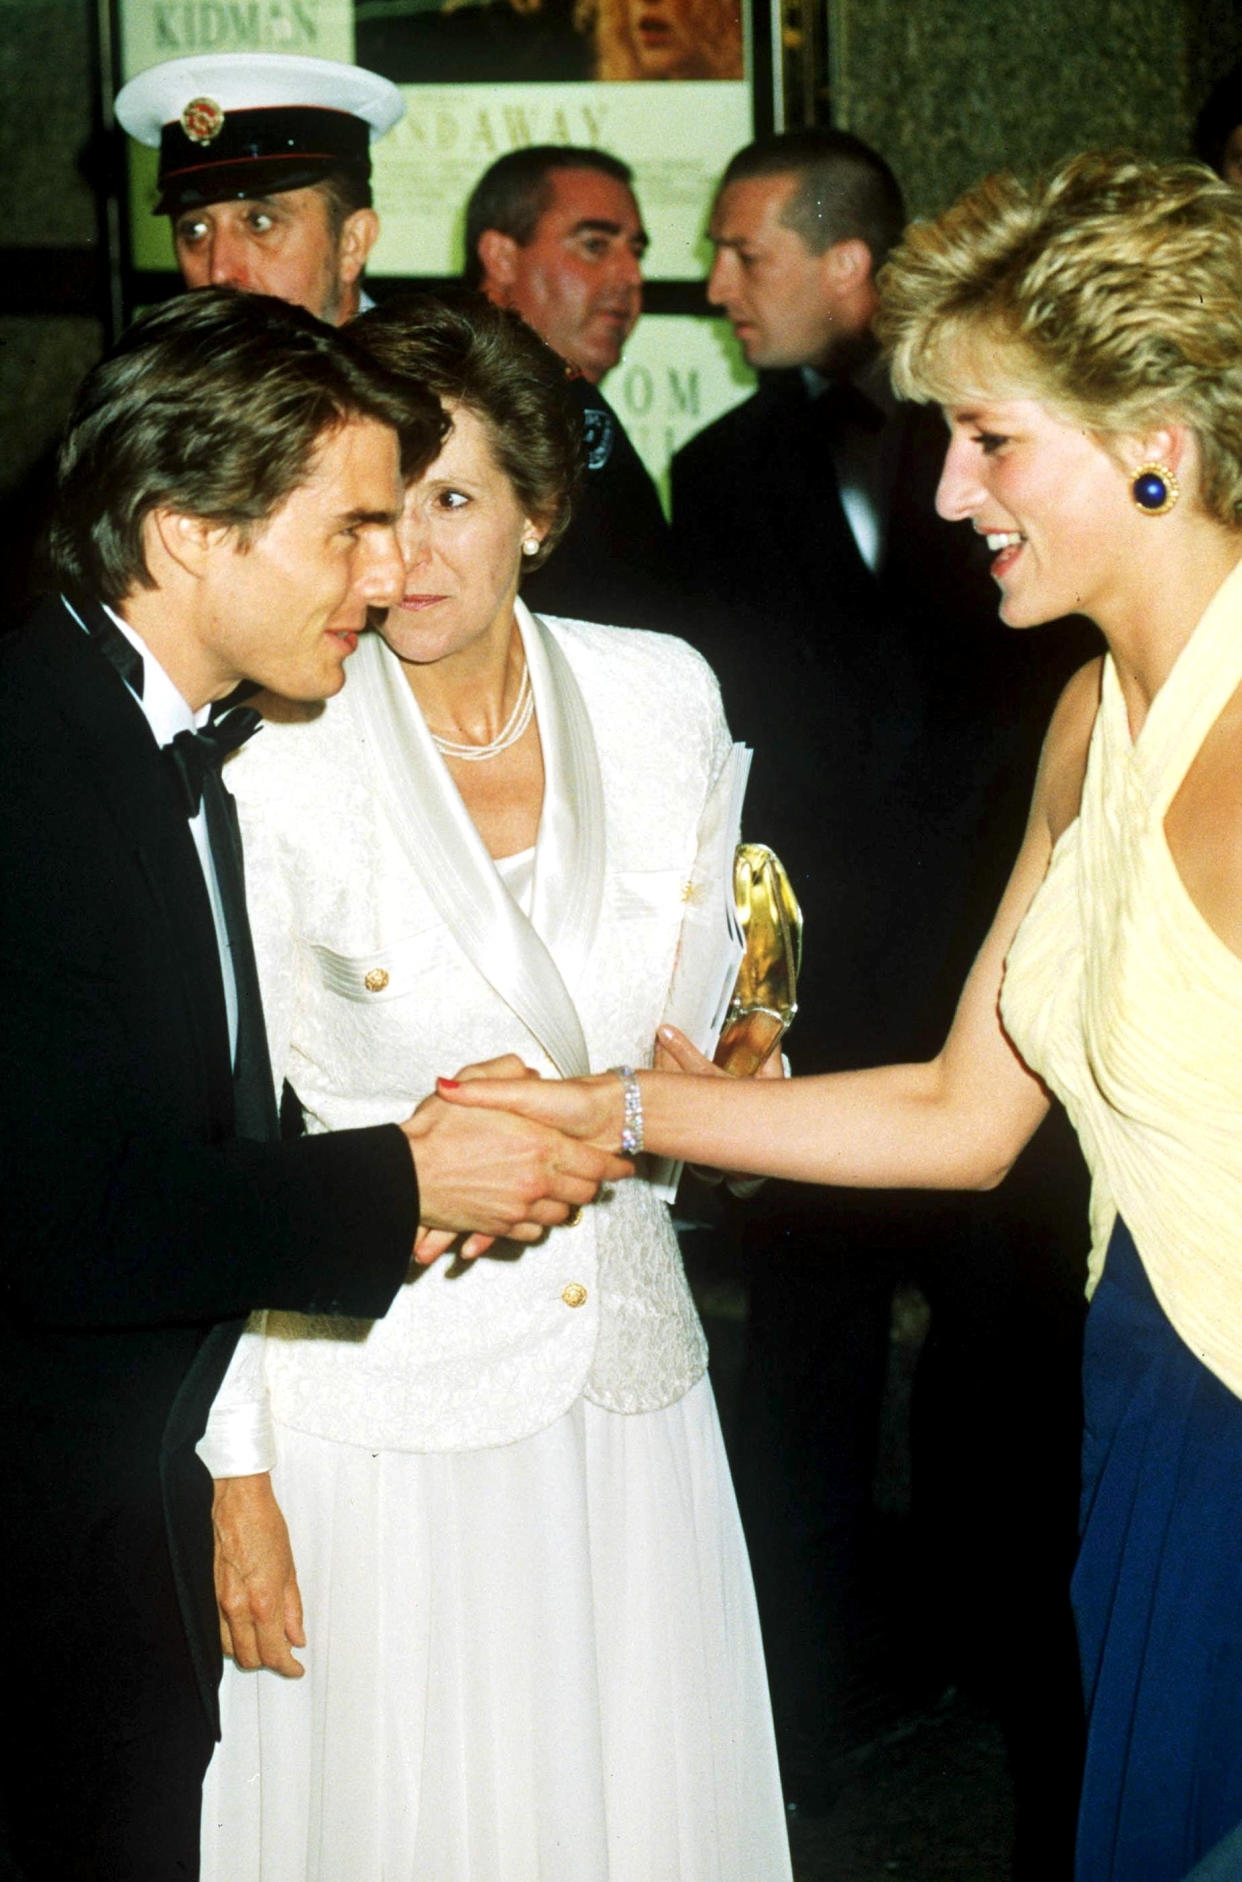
[538, 1662]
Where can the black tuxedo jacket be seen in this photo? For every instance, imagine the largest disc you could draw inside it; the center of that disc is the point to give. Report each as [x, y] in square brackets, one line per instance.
[895, 720]
[139, 1229]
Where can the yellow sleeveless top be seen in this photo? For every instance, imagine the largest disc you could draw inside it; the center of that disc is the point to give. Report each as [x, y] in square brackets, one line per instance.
[1129, 1007]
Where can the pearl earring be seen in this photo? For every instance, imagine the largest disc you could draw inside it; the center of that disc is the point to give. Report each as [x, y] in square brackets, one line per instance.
[529, 546]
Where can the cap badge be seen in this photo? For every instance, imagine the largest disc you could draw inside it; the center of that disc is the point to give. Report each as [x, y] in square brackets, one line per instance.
[599, 430]
[202, 120]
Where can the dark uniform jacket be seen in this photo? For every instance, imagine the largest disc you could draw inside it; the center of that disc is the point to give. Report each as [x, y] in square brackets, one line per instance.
[615, 561]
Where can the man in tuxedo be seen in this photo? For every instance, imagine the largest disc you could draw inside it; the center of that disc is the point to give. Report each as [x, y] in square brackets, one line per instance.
[228, 490]
[265, 171]
[555, 232]
[895, 730]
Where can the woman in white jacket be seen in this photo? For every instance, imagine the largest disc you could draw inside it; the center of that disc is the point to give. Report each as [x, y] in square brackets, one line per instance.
[530, 1646]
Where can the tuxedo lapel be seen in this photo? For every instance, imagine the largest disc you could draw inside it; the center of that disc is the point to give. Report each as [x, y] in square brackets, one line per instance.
[816, 569]
[129, 779]
[444, 849]
[253, 1096]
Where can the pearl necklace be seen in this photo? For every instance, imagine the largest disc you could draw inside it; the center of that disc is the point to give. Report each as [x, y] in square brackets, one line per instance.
[509, 733]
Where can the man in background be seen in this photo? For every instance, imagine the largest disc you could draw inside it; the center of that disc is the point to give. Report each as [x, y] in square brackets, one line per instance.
[265, 174]
[555, 232]
[895, 729]
[265, 171]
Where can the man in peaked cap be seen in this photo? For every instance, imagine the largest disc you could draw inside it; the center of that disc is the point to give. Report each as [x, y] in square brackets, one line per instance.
[265, 171]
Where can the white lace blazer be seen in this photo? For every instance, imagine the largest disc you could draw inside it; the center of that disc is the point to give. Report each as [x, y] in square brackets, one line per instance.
[390, 951]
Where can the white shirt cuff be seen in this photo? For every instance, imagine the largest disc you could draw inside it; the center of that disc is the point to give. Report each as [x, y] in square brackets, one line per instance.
[240, 1440]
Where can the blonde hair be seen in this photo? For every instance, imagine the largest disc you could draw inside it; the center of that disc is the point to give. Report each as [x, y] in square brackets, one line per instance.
[714, 27]
[1112, 292]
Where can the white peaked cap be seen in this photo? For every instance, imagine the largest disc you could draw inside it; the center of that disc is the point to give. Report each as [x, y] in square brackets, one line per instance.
[253, 81]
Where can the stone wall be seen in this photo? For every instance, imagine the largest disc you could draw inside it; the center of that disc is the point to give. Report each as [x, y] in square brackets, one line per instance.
[47, 66]
[950, 89]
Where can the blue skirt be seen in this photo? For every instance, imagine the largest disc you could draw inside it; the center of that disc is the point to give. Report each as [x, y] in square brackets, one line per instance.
[1157, 1591]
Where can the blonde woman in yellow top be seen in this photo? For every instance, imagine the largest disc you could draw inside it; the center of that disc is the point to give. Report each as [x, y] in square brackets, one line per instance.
[1085, 340]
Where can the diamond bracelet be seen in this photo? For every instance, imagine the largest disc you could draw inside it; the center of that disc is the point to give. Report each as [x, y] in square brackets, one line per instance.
[632, 1126]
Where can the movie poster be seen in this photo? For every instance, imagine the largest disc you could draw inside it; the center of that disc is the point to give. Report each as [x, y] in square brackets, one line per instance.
[663, 84]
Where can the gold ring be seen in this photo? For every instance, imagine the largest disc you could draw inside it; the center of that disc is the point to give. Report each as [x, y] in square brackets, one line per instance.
[573, 1218]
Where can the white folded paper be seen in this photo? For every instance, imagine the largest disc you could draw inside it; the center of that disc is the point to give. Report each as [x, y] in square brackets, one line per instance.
[712, 946]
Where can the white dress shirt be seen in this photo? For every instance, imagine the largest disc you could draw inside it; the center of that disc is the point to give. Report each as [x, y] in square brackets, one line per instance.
[861, 460]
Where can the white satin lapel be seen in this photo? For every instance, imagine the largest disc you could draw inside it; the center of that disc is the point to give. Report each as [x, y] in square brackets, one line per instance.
[570, 852]
[450, 859]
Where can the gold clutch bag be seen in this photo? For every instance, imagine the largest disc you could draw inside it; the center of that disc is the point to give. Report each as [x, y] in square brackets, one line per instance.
[765, 994]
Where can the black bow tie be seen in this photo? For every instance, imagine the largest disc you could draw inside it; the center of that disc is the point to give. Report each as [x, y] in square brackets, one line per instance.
[193, 754]
[840, 406]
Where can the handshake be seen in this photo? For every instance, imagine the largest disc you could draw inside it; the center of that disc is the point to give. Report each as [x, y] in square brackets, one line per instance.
[503, 1153]
[528, 1157]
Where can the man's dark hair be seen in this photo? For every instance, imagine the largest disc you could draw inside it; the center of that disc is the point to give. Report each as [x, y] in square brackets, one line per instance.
[518, 188]
[1219, 118]
[469, 352]
[846, 191]
[344, 190]
[213, 405]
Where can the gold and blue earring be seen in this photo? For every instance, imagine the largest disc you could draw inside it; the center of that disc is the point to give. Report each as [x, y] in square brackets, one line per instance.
[1154, 489]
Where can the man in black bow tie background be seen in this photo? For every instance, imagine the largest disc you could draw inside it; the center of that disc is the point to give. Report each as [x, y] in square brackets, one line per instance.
[228, 491]
[895, 729]
[842, 615]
